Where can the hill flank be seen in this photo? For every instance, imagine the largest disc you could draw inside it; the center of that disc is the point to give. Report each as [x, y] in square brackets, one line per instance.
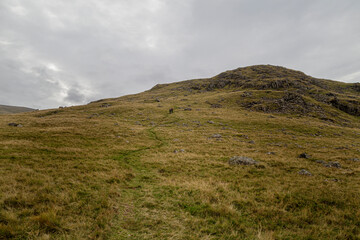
[126, 168]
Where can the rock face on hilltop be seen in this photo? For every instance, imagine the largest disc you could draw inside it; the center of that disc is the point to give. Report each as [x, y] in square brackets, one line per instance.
[277, 89]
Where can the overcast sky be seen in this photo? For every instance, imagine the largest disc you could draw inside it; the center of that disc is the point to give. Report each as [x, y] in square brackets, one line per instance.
[61, 53]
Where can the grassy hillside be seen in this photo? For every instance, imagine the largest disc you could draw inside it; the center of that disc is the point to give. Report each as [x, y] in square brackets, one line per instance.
[4, 109]
[127, 169]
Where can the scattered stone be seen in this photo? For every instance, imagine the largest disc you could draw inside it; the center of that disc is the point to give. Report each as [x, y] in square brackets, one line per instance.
[187, 109]
[271, 116]
[246, 94]
[241, 160]
[251, 142]
[341, 148]
[138, 123]
[105, 105]
[244, 136]
[270, 153]
[216, 105]
[260, 166]
[116, 124]
[305, 172]
[93, 115]
[179, 150]
[216, 136]
[279, 144]
[157, 100]
[320, 161]
[211, 122]
[354, 159]
[304, 155]
[333, 180]
[333, 164]
[15, 125]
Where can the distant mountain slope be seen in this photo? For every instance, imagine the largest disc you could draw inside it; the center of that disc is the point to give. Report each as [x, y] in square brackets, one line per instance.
[4, 109]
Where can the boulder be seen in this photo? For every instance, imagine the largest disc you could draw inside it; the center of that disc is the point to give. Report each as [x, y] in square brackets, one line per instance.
[305, 172]
[15, 125]
[241, 160]
[333, 164]
[216, 136]
[304, 155]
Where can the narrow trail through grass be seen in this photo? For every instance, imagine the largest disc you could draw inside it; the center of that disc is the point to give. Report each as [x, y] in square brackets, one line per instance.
[144, 177]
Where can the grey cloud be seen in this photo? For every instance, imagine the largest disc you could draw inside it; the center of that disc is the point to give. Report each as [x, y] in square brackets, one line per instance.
[75, 96]
[69, 52]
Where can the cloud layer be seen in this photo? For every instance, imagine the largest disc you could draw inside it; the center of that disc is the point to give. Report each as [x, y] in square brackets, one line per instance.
[56, 53]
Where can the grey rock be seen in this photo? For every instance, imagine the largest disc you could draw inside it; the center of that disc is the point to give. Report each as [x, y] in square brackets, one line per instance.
[333, 180]
[246, 94]
[305, 172]
[270, 153]
[251, 142]
[304, 155]
[15, 125]
[333, 164]
[105, 105]
[216, 136]
[354, 159]
[320, 161]
[216, 105]
[211, 122]
[241, 160]
[179, 150]
[187, 109]
[93, 115]
[244, 136]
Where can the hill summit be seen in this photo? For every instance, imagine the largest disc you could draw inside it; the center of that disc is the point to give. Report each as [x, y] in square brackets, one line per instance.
[275, 89]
